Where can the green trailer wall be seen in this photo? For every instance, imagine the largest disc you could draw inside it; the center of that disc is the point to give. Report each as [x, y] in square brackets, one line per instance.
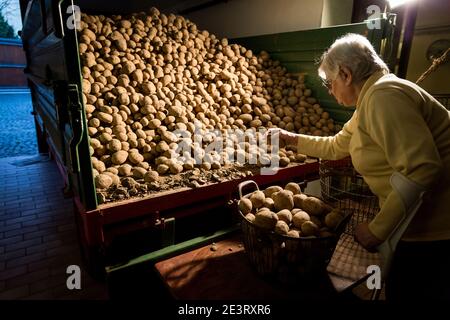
[300, 51]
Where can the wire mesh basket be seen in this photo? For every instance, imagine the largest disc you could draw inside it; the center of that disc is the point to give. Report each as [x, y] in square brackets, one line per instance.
[343, 187]
[282, 257]
[274, 254]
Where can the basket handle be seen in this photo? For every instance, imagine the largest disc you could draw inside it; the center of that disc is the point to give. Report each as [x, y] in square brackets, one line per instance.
[246, 183]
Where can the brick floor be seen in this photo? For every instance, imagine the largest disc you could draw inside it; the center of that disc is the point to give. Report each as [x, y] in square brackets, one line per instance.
[38, 239]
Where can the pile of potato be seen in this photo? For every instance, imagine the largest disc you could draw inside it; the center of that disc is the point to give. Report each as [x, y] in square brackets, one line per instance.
[147, 75]
[290, 212]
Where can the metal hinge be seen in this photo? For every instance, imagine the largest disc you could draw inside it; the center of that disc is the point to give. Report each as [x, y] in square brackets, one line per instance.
[167, 226]
[76, 124]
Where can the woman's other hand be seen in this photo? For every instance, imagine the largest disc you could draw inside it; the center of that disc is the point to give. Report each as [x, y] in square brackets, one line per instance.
[366, 238]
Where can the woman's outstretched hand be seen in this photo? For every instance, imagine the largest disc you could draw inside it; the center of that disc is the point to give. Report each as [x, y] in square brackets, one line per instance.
[287, 137]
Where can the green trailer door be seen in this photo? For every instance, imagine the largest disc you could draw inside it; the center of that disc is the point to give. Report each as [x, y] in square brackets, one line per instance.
[53, 68]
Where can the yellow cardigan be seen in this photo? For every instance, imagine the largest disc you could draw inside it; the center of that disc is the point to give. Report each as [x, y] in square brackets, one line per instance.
[397, 126]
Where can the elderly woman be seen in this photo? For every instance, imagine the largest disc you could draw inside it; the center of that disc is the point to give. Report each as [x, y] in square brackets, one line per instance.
[397, 128]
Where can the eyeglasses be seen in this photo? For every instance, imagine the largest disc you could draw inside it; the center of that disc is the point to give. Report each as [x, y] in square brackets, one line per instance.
[327, 83]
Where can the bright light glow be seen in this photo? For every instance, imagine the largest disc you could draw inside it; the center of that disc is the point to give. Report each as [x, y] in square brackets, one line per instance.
[398, 3]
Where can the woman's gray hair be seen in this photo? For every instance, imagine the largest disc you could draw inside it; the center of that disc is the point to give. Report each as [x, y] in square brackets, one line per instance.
[354, 52]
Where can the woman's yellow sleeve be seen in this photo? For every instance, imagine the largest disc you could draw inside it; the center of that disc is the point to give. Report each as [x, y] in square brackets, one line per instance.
[328, 148]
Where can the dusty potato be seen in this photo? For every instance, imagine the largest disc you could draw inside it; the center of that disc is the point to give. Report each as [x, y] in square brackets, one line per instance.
[135, 157]
[268, 192]
[281, 227]
[293, 233]
[333, 218]
[266, 219]
[293, 187]
[284, 161]
[283, 200]
[269, 203]
[125, 170]
[113, 170]
[257, 198]
[245, 205]
[151, 176]
[300, 157]
[99, 165]
[103, 181]
[298, 200]
[175, 168]
[114, 145]
[206, 165]
[119, 157]
[313, 205]
[114, 177]
[162, 168]
[299, 218]
[285, 215]
[138, 172]
[309, 228]
[188, 165]
[263, 208]
[250, 217]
